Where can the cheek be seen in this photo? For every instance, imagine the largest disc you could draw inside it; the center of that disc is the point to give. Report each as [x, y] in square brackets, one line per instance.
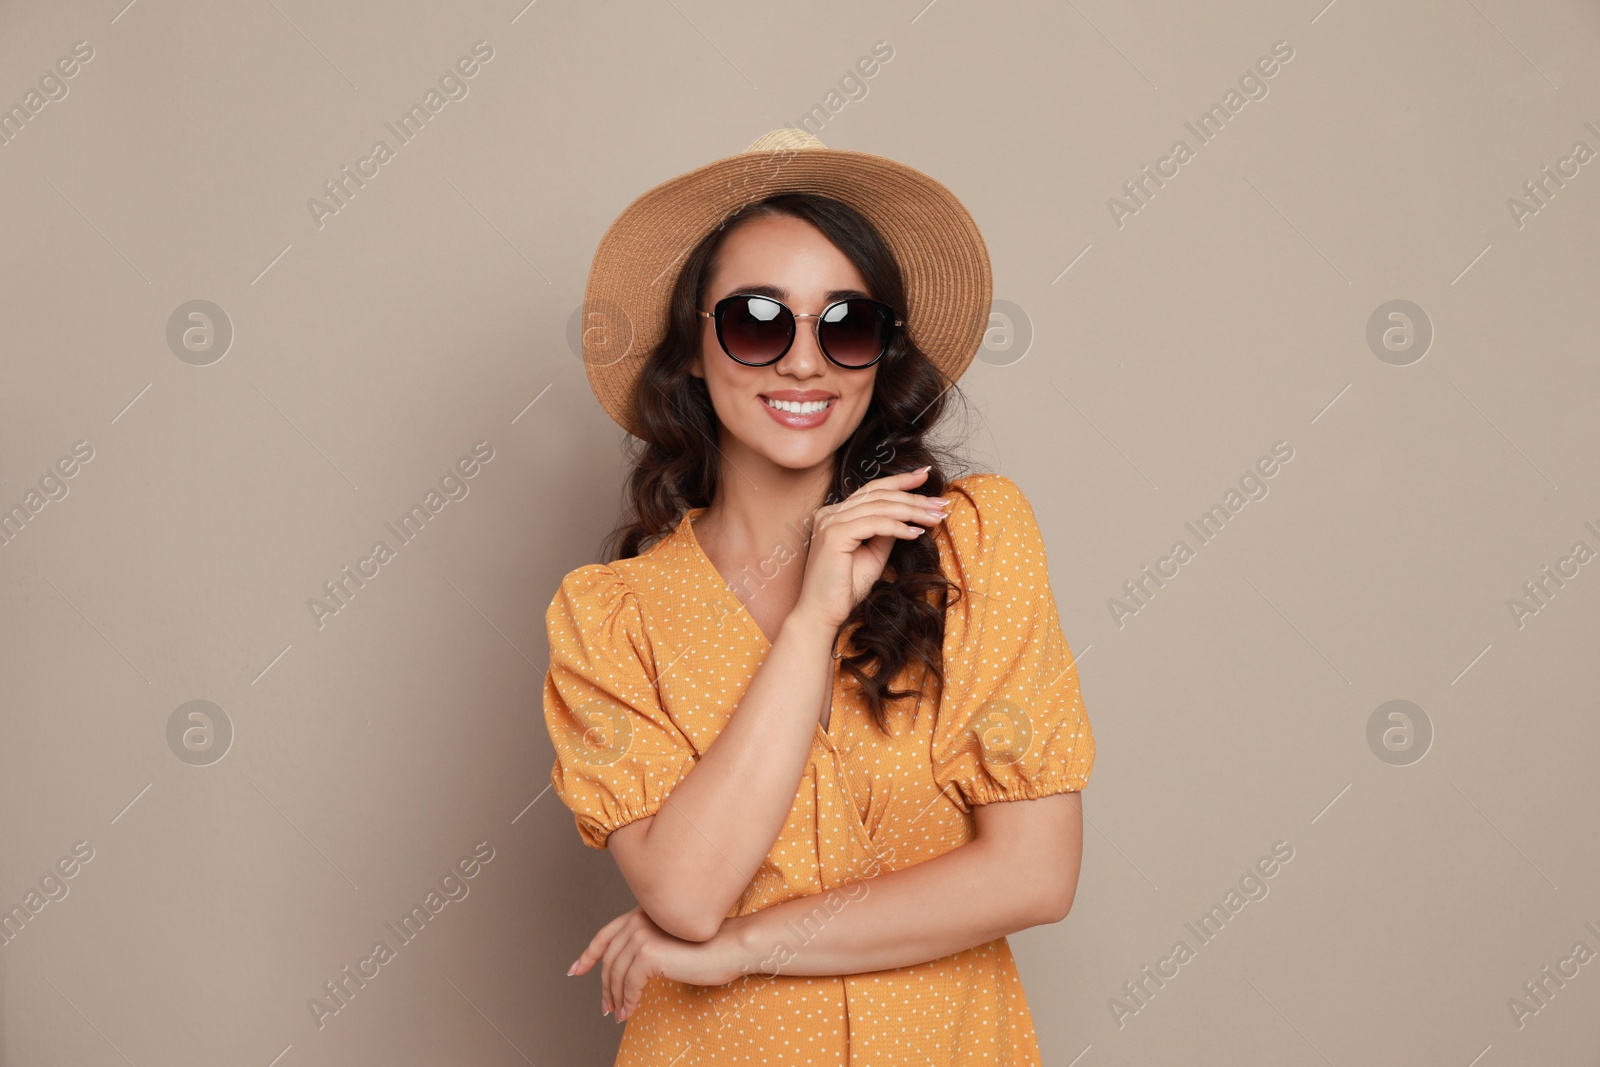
[861, 393]
[854, 399]
[725, 382]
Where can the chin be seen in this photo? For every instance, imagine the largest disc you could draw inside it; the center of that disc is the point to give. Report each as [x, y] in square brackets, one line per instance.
[798, 456]
[791, 449]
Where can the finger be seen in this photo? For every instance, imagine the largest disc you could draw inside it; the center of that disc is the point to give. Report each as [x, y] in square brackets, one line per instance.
[616, 980]
[915, 510]
[887, 496]
[856, 531]
[890, 487]
[592, 953]
[641, 968]
[904, 478]
[598, 944]
[896, 482]
[634, 970]
[608, 966]
[615, 967]
[919, 515]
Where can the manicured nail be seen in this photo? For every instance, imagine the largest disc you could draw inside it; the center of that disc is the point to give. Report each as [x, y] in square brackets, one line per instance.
[574, 967]
[919, 470]
[940, 500]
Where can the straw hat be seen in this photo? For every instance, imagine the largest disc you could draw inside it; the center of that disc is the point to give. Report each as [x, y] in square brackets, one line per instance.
[941, 254]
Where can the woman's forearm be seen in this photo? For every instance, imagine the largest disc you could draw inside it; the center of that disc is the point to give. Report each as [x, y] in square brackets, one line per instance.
[966, 897]
[690, 862]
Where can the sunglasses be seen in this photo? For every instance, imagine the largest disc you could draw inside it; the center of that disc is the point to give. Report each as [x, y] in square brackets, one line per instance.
[758, 330]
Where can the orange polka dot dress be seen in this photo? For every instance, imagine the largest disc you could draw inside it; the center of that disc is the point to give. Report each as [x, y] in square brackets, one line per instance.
[649, 656]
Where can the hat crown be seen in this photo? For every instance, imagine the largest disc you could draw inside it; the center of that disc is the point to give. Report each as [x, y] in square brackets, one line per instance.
[626, 311]
[781, 139]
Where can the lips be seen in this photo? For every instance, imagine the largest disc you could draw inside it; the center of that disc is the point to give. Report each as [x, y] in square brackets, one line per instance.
[799, 409]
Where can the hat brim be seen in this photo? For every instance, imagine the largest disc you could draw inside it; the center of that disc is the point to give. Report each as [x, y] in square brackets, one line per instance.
[942, 256]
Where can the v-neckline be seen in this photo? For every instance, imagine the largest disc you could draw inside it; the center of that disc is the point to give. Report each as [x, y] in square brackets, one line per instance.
[729, 596]
[696, 549]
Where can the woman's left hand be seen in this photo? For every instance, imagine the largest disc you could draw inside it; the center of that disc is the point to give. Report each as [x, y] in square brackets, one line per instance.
[632, 949]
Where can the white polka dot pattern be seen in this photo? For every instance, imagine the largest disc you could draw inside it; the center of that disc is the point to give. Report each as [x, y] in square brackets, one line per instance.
[649, 656]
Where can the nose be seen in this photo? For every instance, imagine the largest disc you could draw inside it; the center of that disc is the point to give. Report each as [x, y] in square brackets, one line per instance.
[804, 358]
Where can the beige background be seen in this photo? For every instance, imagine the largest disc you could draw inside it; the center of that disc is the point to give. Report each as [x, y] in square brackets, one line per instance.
[1228, 313]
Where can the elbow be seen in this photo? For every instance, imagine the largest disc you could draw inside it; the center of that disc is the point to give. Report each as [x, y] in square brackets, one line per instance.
[1059, 887]
[1057, 905]
[1054, 900]
[685, 924]
[672, 897]
[701, 928]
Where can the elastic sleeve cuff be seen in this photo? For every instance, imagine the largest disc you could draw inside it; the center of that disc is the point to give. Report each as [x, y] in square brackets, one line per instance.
[992, 792]
[600, 812]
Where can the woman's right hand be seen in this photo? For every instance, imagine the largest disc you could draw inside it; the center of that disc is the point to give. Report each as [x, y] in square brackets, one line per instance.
[851, 541]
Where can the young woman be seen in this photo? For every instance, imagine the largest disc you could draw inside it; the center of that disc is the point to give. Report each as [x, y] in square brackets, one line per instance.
[819, 707]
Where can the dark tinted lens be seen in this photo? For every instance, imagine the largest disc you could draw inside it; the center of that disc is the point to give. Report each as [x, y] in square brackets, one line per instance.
[855, 332]
[754, 328]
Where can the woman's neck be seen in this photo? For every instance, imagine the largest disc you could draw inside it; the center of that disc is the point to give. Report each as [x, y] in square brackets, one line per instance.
[761, 517]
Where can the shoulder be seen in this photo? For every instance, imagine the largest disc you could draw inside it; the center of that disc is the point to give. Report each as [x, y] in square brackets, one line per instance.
[989, 516]
[591, 578]
[660, 566]
[591, 592]
[989, 505]
[989, 493]
[634, 590]
[594, 619]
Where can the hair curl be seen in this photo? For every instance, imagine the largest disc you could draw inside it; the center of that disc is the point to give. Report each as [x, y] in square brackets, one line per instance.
[901, 621]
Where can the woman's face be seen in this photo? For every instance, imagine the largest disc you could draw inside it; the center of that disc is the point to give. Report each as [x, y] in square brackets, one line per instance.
[807, 272]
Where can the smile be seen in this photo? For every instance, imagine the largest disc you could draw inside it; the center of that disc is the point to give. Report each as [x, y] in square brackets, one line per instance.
[805, 414]
[799, 407]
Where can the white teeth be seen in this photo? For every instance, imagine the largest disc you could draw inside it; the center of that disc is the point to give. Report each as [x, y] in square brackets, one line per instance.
[794, 407]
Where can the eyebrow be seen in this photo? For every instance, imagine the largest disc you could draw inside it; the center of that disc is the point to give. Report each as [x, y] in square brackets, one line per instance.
[778, 292]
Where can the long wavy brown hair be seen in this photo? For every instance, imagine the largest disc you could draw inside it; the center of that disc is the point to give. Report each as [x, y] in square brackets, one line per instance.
[900, 623]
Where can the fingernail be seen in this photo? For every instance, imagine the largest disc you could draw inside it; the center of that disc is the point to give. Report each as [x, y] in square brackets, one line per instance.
[574, 967]
[919, 470]
[944, 500]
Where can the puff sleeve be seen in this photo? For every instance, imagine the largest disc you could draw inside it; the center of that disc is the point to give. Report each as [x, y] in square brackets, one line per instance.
[1012, 725]
[618, 752]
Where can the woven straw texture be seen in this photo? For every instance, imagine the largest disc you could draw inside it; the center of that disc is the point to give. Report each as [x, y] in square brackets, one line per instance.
[949, 286]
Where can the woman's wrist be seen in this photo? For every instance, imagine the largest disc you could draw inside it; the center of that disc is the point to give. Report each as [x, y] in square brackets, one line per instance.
[732, 945]
[808, 628]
